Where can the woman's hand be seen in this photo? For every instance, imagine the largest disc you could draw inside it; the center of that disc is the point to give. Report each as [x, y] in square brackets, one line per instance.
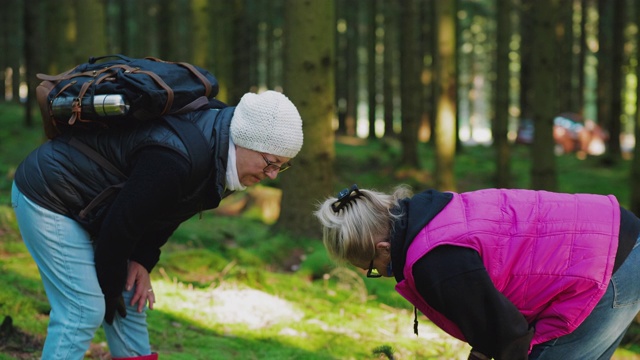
[138, 276]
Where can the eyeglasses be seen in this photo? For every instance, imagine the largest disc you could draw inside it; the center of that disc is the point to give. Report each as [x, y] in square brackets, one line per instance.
[271, 167]
[373, 273]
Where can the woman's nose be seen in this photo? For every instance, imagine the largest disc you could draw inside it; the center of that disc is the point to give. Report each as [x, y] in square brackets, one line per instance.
[272, 174]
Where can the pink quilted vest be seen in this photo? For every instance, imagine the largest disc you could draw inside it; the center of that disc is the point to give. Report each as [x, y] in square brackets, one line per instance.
[551, 254]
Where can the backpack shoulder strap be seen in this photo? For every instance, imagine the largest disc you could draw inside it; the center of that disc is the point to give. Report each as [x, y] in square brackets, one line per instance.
[95, 156]
[107, 165]
[196, 144]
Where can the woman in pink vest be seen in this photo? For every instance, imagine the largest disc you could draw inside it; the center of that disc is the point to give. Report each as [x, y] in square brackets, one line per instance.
[517, 274]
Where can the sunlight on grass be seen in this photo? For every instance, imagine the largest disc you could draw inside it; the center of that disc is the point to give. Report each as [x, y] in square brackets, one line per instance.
[224, 305]
[332, 322]
[228, 287]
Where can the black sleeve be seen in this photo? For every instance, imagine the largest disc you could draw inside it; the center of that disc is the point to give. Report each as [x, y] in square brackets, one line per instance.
[454, 281]
[156, 182]
[147, 250]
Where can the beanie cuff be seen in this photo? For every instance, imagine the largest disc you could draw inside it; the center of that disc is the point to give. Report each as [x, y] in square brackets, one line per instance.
[269, 123]
[272, 149]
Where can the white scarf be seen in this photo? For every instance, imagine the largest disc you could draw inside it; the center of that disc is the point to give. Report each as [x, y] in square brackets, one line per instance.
[233, 181]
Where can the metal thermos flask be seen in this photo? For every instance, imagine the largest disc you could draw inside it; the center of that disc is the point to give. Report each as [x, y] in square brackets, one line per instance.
[92, 106]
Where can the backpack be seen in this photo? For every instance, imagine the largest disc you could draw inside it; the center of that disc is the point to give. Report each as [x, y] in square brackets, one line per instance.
[115, 90]
[97, 96]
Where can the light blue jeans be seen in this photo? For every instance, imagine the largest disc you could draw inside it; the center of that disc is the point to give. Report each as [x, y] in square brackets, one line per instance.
[601, 332]
[63, 251]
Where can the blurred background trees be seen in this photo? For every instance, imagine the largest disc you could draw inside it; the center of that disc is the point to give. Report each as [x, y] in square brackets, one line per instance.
[450, 73]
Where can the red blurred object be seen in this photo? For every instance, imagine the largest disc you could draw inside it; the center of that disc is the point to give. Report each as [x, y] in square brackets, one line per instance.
[571, 132]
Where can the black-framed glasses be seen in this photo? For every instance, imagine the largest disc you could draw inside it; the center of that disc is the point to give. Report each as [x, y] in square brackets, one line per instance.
[373, 273]
[271, 167]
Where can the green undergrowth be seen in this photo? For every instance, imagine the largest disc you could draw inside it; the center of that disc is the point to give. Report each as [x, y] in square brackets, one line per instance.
[228, 287]
[326, 312]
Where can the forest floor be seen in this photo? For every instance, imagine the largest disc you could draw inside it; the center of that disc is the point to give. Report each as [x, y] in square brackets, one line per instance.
[229, 288]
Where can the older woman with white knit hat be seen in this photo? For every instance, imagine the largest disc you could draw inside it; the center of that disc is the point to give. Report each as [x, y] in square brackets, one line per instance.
[266, 123]
[95, 224]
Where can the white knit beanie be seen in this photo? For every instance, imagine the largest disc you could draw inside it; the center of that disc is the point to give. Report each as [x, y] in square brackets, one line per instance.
[267, 122]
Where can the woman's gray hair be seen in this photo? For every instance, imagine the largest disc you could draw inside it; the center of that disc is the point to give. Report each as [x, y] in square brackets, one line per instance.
[348, 235]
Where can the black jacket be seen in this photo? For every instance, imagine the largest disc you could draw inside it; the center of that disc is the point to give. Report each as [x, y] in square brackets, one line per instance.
[165, 186]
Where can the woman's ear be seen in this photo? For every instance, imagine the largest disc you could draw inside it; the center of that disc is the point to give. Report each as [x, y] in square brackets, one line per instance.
[384, 247]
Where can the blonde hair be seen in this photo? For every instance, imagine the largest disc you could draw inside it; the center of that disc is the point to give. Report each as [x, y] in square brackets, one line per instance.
[348, 235]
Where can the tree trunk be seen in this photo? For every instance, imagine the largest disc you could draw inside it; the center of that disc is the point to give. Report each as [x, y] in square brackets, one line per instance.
[90, 21]
[544, 104]
[223, 55]
[341, 72]
[13, 50]
[526, 52]
[427, 46]
[309, 83]
[579, 102]
[200, 34]
[33, 31]
[371, 67]
[634, 174]
[564, 39]
[410, 89]
[390, 10]
[617, 86]
[242, 44]
[445, 127]
[351, 120]
[605, 88]
[501, 122]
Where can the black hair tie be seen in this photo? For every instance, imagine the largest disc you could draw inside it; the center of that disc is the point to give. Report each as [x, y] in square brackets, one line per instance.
[345, 197]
